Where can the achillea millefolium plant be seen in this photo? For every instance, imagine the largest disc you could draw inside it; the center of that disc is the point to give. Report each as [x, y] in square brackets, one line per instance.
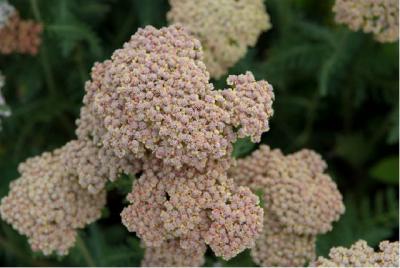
[190, 133]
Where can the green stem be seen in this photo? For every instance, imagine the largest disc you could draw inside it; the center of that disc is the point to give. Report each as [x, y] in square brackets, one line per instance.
[81, 67]
[6, 245]
[309, 124]
[85, 252]
[125, 29]
[43, 55]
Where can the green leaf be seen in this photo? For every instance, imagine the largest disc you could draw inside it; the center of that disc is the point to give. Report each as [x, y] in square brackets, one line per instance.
[260, 193]
[241, 260]
[363, 219]
[386, 170]
[242, 147]
[354, 148]
[393, 135]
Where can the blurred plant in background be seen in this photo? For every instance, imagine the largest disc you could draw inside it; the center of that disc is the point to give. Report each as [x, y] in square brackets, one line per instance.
[4, 109]
[336, 92]
[17, 35]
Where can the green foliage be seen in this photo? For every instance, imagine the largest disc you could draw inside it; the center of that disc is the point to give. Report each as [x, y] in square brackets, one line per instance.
[242, 147]
[387, 170]
[371, 220]
[336, 92]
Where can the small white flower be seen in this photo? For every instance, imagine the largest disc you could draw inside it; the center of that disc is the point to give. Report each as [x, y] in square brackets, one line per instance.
[6, 11]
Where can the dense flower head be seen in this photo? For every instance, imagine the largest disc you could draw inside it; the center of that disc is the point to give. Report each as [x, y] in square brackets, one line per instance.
[17, 35]
[171, 254]
[154, 95]
[249, 104]
[48, 205]
[4, 109]
[300, 201]
[360, 254]
[194, 207]
[278, 247]
[379, 17]
[305, 200]
[225, 28]
[153, 101]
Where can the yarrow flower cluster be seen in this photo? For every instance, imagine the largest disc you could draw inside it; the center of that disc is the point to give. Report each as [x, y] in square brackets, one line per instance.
[379, 17]
[361, 255]
[156, 103]
[17, 35]
[48, 205]
[4, 109]
[151, 109]
[300, 202]
[225, 28]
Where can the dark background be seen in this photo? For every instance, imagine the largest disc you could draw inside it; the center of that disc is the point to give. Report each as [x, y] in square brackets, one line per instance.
[336, 92]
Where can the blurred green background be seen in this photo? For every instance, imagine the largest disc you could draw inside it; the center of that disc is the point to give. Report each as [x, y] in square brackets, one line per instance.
[336, 91]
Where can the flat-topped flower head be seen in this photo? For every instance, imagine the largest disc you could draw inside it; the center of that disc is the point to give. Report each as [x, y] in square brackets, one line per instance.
[360, 254]
[300, 201]
[379, 17]
[296, 191]
[154, 95]
[193, 207]
[48, 205]
[225, 28]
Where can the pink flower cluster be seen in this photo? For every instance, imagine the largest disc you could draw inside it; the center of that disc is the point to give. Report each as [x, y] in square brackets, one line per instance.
[157, 104]
[225, 28]
[193, 208]
[151, 109]
[17, 35]
[300, 202]
[154, 95]
[48, 205]
[361, 255]
[379, 17]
